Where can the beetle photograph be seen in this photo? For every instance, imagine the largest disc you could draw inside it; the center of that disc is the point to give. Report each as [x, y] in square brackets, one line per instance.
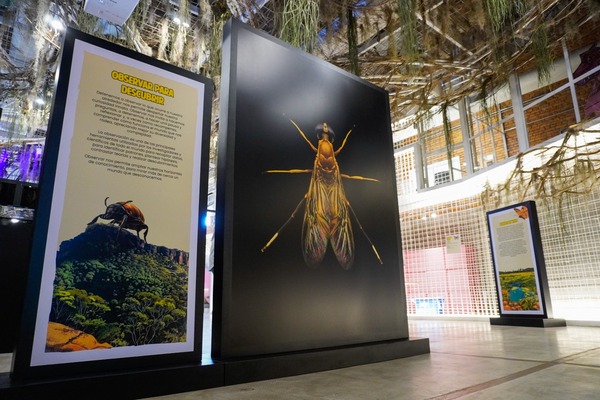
[125, 214]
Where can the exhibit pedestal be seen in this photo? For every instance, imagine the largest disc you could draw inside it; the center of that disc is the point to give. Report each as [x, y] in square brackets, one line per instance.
[533, 322]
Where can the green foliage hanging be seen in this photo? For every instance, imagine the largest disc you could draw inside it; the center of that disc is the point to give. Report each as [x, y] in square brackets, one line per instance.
[542, 54]
[408, 22]
[501, 12]
[300, 23]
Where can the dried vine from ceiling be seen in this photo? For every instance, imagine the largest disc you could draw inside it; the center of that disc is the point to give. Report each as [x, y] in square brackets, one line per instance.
[460, 47]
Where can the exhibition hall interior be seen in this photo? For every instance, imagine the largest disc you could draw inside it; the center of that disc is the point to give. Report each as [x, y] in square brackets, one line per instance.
[300, 199]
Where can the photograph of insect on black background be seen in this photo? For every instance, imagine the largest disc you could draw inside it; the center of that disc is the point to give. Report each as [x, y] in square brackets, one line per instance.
[281, 95]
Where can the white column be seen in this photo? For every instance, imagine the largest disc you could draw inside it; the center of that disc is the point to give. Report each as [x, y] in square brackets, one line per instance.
[518, 112]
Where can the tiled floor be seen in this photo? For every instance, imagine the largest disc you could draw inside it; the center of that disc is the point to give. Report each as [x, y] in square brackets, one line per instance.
[468, 360]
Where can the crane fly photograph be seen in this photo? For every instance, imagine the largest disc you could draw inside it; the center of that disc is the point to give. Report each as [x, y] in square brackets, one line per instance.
[307, 238]
[327, 211]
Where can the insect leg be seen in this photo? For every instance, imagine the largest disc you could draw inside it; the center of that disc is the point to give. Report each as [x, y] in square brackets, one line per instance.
[123, 221]
[364, 233]
[359, 178]
[288, 171]
[285, 224]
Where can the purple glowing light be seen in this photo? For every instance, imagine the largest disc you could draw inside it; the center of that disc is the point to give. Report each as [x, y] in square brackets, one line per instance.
[3, 163]
[21, 163]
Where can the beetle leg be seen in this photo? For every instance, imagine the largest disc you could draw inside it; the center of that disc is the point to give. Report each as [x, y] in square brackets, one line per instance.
[94, 220]
[123, 221]
[145, 232]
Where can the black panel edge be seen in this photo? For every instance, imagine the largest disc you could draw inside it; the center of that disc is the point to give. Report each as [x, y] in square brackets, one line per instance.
[263, 368]
[129, 385]
[531, 322]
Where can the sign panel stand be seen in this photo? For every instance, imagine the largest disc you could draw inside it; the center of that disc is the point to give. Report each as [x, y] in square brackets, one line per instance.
[113, 281]
[519, 267]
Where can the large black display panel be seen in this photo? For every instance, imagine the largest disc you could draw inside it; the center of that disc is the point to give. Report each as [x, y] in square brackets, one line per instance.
[307, 226]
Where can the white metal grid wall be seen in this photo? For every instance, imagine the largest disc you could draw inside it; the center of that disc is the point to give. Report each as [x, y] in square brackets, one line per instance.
[439, 282]
[447, 262]
[570, 237]
[405, 171]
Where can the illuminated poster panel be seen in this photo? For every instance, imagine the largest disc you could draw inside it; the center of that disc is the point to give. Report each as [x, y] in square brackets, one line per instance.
[518, 261]
[113, 273]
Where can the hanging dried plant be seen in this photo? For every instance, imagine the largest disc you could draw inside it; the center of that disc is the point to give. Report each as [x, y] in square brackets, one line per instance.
[353, 42]
[300, 23]
[407, 10]
[390, 28]
[205, 14]
[502, 13]
[133, 26]
[194, 50]
[448, 138]
[541, 46]
[178, 34]
[214, 47]
[176, 55]
[87, 23]
[164, 40]
[134, 39]
[571, 168]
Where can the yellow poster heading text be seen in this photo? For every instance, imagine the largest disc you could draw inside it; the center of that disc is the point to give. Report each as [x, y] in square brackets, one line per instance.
[510, 221]
[149, 94]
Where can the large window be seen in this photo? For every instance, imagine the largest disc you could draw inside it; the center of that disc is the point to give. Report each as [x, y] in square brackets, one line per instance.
[454, 142]
[488, 139]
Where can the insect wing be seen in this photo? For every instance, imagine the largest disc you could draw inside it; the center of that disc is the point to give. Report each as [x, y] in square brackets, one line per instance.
[315, 226]
[342, 238]
[326, 219]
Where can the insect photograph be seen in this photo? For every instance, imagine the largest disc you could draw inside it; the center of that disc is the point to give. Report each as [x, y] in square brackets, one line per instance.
[126, 215]
[307, 228]
[327, 211]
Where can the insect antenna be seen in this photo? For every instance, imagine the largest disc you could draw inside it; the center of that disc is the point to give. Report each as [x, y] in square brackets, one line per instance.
[364, 233]
[312, 146]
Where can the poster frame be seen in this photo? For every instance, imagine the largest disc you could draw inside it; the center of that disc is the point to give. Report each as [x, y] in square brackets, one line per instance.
[22, 367]
[536, 253]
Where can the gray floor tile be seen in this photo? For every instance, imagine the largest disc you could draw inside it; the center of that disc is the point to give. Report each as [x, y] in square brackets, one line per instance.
[557, 382]
[468, 360]
[5, 361]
